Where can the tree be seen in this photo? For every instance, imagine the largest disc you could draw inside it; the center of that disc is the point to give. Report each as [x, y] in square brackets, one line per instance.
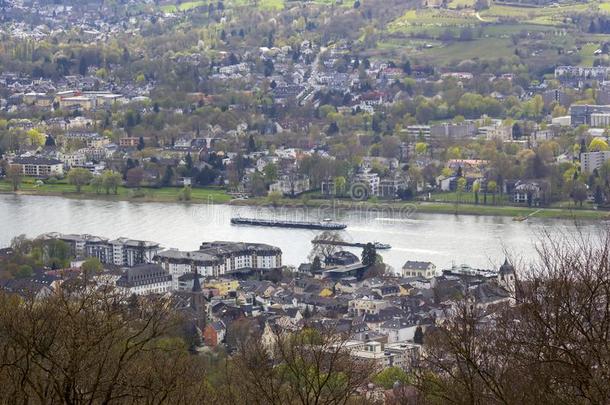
[559, 111]
[461, 187]
[525, 353]
[35, 137]
[579, 192]
[599, 195]
[168, 176]
[333, 128]
[185, 194]
[325, 250]
[14, 175]
[270, 173]
[97, 183]
[25, 271]
[369, 255]
[92, 266]
[274, 198]
[492, 187]
[340, 183]
[598, 144]
[251, 144]
[307, 367]
[134, 177]
[390, 376]
[517, 131]
[189, 163]
[476, 187]
[421, 148]
[85, 345]
[111, 180]
[79, 177]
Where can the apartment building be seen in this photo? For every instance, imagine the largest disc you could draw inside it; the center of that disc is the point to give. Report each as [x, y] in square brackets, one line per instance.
[121, 252]
[214, 259]
[39, 167]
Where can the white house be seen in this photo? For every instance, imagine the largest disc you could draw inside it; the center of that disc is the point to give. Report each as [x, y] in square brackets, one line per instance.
[421, 269]
[398, 330]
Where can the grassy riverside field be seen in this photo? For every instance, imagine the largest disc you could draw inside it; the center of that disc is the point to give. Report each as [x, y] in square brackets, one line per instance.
[146, 194]
[435, 208]
[220, 196]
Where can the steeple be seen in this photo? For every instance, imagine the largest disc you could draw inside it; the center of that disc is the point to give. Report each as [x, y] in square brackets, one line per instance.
[506, 268]
[196, 283]
[506, 276]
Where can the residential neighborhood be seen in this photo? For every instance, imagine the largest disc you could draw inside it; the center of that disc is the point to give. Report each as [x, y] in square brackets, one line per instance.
[387, 315]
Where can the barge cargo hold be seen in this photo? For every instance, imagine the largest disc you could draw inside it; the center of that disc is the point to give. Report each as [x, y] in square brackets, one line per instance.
[334, 226]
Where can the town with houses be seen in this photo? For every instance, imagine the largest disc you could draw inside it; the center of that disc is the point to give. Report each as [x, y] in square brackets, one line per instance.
[224, 284]
[54, 145]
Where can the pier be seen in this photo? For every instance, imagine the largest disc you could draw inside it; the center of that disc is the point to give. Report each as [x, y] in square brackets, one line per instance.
[377, 245]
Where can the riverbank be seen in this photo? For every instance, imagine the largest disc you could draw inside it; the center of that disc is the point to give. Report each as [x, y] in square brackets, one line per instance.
[220, 196]
[409, 208]
[144, 194]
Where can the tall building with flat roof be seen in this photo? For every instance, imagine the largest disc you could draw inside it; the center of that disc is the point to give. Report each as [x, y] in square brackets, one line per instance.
[581, 114]
[589, 161]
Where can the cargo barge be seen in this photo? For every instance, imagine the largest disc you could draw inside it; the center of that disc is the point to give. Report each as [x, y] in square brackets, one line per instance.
[326, 226]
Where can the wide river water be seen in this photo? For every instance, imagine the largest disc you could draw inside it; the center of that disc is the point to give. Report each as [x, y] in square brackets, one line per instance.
[479, 241]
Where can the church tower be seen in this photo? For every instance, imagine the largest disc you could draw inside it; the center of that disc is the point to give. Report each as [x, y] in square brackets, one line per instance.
[506, 276]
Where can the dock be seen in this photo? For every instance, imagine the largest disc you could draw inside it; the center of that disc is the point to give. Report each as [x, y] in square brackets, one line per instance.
[378, 246]
[326, 226]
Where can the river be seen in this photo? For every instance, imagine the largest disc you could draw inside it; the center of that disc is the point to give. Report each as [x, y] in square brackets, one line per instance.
[479, 241]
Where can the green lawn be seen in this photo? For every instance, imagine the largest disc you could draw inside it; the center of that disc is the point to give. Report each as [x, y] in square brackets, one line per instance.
[441, 208]
[514, 212]
[454, 4]
[549, 15]
[271, 4]
[481, 48]
[586, 53]
[414, 21]
[468, 198]
[189, 5]
[165, 194]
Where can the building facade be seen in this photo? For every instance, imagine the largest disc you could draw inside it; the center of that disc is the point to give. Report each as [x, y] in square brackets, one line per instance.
[418, 269]
[39, 167]
[581, 114]
[214, 259]
[145, 279]
[122, 252]
[589, 161]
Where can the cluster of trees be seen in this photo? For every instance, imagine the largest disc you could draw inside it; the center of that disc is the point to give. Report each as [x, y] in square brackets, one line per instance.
[30, 256]
[88, 345]
[550, 347]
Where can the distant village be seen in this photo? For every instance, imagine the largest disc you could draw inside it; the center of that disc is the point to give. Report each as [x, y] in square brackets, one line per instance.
[53, 145]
